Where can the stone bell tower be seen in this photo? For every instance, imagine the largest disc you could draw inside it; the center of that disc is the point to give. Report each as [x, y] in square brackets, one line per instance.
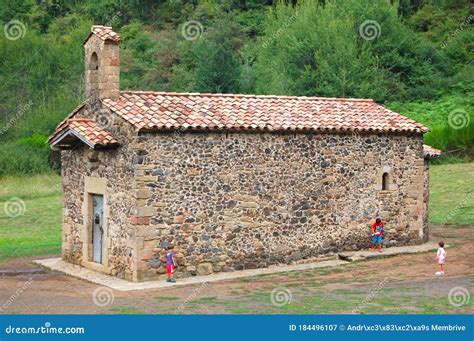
[102, 74]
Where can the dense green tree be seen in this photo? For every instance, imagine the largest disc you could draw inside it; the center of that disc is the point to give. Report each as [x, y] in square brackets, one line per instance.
[348, 48]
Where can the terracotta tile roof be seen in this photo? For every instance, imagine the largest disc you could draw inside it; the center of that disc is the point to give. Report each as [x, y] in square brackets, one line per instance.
[104, 33]
[63, 123]
[429, 151]
[91, 131]
[85, 129]
[161, 110]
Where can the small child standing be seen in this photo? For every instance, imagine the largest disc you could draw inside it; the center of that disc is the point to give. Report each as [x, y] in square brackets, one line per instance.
[441, 257]
[377, 235]
[170, 264]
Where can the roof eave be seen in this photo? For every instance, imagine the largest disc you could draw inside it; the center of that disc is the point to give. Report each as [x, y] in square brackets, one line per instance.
[72, 132]
[74, 112]
[69, 132]
[305, 130]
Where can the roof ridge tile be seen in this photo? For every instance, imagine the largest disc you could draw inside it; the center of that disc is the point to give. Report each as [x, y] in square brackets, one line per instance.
[198, 94]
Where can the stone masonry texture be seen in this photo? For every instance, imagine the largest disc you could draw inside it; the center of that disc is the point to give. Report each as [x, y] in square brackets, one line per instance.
[240, 200]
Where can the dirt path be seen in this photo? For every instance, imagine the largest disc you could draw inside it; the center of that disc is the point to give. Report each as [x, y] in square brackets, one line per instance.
[400, 284]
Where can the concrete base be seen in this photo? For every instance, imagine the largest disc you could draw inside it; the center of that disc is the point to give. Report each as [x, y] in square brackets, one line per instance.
[58, 264]
[386, 252]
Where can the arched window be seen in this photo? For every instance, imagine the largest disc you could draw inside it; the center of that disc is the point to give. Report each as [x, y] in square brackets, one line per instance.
[92, 81]
[385, 181]
[94, 62]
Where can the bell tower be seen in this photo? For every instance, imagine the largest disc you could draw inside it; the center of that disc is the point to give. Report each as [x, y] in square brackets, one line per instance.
[102, 62]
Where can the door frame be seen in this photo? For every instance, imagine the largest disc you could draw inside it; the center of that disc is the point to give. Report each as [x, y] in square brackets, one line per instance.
[95, 186]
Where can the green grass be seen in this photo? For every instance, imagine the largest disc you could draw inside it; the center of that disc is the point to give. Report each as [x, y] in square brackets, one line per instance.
[452, 193]
[203, 300]
[38, 230]
[127, 311]
[167, 298]
[317, 301]
[30, 187]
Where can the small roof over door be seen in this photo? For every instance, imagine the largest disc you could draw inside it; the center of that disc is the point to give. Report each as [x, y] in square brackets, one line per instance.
[77, 130]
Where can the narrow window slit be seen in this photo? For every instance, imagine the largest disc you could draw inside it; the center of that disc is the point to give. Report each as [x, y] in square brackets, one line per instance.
[385, 181]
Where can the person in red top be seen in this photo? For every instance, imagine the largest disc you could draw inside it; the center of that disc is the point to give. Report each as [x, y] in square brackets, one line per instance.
[377, 234]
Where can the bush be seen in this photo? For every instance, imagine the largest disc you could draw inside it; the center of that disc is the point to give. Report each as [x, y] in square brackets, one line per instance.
[438, 114]
[457, 142]
[24, 157]
[319, 50]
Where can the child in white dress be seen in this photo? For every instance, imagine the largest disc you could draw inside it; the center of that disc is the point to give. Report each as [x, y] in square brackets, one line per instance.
[441, 256]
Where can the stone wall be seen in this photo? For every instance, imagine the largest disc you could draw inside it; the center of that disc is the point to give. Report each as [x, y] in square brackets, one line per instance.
[102, 68]
[114, 167]
[426, 195]
[238, 200]
[232, 201]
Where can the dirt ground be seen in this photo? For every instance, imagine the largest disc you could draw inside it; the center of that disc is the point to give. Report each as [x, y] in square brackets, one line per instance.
[400, 284]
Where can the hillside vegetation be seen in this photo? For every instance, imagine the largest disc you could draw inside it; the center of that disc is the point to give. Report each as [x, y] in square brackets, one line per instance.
[415, 56]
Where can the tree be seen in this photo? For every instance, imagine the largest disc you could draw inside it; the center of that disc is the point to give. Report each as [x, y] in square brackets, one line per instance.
[356, 48]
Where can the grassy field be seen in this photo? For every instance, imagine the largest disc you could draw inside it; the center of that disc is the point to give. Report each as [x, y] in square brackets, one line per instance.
[37, 231]
[30, 216]
[452, 193]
